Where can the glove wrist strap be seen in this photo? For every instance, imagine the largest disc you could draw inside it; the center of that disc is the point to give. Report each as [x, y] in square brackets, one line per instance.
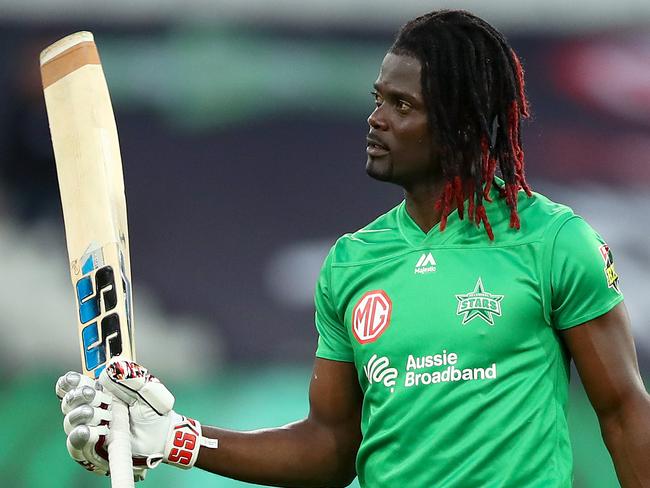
[185, 441]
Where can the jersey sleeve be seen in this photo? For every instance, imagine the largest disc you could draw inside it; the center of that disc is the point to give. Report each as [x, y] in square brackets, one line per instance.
[333, 339]
[584, 283]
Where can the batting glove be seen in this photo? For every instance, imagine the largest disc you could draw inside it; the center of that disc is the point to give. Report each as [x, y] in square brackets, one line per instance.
[158, 434]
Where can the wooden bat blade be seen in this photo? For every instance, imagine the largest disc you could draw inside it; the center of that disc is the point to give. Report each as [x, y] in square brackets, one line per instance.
[89, 169]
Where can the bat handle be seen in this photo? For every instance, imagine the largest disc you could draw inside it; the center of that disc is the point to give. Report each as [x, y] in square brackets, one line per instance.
[119, 447]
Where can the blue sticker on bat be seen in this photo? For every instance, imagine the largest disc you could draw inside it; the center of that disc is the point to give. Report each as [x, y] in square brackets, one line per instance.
[88, 265]
[97, 297]
[99, 370]
[88, 305]
[94, 355]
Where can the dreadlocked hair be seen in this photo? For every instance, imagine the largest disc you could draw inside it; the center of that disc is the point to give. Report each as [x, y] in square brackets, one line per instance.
[473, 88]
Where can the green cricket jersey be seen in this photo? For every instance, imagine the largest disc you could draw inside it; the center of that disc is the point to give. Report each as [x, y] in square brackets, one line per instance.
[455, 340]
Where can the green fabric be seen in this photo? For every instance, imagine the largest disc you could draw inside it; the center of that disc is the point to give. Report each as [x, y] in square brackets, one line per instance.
[579, 276]
[455, 340]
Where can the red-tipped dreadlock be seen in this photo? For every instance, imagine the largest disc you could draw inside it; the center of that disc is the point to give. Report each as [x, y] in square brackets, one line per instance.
[473, 86]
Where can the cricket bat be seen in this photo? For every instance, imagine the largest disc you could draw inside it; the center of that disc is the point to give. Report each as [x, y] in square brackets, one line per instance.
[89, 168]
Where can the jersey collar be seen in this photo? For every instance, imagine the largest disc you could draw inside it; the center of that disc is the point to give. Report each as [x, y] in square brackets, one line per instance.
[417, 237]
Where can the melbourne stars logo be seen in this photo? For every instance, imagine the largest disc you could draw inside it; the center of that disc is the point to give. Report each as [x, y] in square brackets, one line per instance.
[479, 304]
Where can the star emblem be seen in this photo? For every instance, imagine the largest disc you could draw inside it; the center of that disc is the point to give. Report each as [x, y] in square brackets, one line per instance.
[479, 304]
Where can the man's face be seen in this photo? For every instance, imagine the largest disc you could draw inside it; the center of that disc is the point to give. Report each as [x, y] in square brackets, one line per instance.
[400, 149]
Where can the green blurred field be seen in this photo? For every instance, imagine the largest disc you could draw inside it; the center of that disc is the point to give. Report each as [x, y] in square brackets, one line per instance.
[33, 454]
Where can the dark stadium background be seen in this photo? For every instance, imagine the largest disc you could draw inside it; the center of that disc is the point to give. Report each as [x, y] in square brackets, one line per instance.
[243, 146]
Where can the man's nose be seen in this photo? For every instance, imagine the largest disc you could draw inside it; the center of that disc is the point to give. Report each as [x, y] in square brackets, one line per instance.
[376, 119]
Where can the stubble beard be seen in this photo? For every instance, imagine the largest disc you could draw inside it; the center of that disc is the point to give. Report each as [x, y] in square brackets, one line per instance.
[379, 170]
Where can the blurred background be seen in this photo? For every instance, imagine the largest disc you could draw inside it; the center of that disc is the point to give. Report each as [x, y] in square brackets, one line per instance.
[242, 127]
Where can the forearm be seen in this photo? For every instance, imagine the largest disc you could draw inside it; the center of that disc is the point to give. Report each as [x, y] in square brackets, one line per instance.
[626, 432]
[301, 454]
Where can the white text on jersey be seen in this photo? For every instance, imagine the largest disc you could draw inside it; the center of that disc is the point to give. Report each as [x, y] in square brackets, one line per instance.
[426, 264]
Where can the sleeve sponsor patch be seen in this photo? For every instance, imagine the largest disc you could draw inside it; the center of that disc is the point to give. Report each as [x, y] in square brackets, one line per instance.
[610, 270]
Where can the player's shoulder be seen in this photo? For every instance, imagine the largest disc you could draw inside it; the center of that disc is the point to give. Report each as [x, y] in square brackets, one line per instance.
[541, 210]
[540, 218]
[378, 239]
[543, 214]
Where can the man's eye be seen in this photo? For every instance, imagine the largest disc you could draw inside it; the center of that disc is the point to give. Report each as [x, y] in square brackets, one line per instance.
[402, 106]
[377, 98]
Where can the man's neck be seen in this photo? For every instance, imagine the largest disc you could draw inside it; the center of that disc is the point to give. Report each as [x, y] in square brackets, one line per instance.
[421, 205]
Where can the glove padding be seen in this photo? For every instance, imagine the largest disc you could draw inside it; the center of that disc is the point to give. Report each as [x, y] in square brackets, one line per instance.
[158, 434]
[87, 416]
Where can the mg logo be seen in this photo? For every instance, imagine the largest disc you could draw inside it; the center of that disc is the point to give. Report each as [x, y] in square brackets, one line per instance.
[371, 316]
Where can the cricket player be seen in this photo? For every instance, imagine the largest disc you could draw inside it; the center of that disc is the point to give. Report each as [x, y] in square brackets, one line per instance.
[446, 326]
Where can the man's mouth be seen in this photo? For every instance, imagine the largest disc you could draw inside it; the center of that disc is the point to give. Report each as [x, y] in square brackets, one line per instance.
[376, 147]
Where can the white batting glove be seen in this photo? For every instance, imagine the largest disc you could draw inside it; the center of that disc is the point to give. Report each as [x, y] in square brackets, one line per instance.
[158, 434]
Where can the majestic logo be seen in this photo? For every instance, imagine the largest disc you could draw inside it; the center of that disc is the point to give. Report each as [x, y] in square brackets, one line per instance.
[610, 271]
[378, 370]
[479, 304]
[426, 264]
[371, 316]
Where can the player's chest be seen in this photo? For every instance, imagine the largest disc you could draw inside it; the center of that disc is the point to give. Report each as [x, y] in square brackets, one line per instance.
[430, 301]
